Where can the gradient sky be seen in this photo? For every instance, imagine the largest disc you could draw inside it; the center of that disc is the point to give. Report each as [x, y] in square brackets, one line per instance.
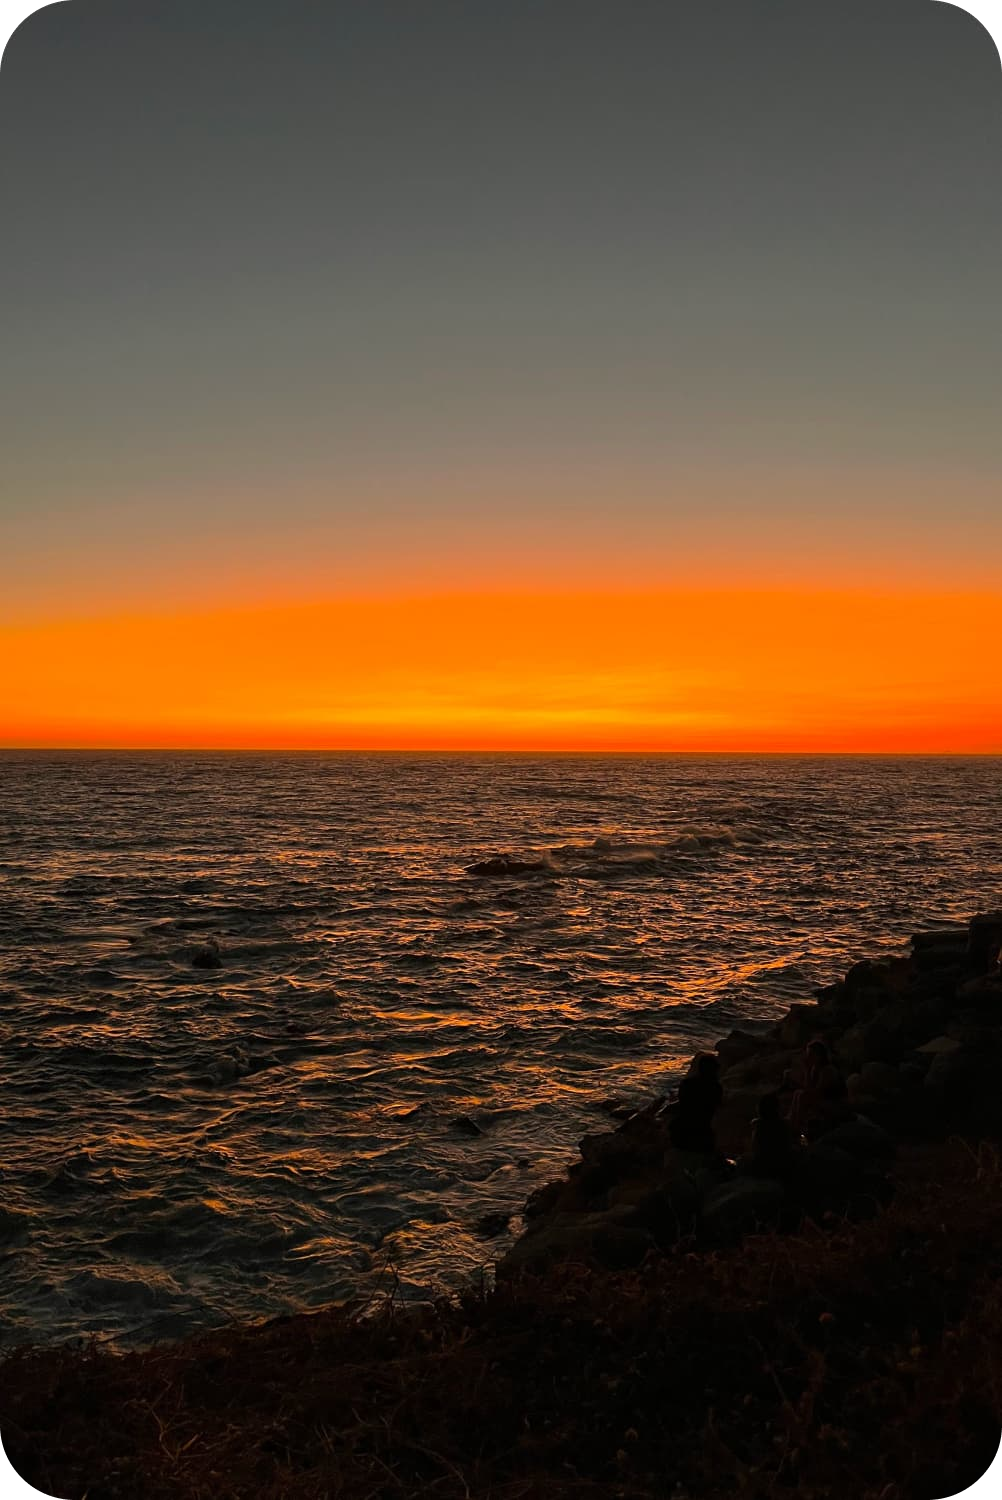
[359, 361]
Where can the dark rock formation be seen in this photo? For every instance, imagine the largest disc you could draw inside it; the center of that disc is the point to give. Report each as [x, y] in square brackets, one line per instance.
[500, 865]
[919, 1038]
[207, 956]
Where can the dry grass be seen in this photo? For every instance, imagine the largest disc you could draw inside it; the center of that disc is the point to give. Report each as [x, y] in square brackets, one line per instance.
[850, 1360]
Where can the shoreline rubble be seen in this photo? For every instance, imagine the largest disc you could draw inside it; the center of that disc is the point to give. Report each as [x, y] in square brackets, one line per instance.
[919, 1040]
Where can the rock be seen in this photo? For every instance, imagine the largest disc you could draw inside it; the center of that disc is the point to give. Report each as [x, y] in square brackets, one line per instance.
[736, 1045]
[912, 1076]
[668, 1212]
[762, 1069]
[868, 1041]
[800, 1024]
[984, 990]
[207, 957]
[824, 1159]
[940, 937]
[972, 1028]
[879, 1078]
[951, 1074]
[740, 1206]
[258, 1062]
[868, 973]
[861, 1139]
[927, 1015]
[940, 1044]
[466, 1125]
[489, 1225]
[942, 948]
[827, 1176]
[544, 1200]
[602, 1239]
[501, 865]
[984, 941]
[854, 1085]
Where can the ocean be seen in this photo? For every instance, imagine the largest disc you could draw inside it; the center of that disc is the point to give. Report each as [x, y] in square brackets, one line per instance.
[268, 1043]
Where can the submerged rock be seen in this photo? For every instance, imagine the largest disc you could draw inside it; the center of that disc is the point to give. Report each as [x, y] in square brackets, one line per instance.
[500, 865]
[207, 956]
[491, 1224]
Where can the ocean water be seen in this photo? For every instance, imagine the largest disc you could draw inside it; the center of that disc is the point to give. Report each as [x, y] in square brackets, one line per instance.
[182, 1146]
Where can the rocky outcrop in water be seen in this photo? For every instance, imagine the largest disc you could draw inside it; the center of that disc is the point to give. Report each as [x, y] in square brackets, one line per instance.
[501, 865]
[207, 956]
[918, 1039]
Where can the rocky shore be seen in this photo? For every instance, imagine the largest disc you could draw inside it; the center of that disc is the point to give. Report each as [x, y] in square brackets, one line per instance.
[669, 1325]
[918, 1039]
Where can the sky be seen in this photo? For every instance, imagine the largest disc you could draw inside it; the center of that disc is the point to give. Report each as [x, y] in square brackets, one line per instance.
[554, 375]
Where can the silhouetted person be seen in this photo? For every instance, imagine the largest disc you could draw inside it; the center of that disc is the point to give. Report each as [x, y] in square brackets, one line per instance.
[821, 1101]
[772, 1140]
[699, 1097]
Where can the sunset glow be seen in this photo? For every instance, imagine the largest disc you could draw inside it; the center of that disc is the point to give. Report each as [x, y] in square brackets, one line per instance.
[407, 389]
[679, 669]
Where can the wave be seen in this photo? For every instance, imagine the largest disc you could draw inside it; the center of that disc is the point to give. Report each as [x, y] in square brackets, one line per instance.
[611, 856]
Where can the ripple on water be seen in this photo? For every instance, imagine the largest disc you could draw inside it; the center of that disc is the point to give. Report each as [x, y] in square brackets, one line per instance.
[183, 1146]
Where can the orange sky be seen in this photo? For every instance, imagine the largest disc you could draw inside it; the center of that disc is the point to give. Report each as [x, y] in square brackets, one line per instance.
[736, 668]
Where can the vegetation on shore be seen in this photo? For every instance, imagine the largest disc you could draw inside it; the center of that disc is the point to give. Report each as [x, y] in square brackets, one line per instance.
[860, 1360]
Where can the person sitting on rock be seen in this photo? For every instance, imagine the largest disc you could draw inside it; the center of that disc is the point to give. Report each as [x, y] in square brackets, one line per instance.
[821, 1101]
[772, 1140]
[699, 1097]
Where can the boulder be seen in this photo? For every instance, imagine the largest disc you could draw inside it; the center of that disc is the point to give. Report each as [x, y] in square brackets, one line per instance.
[740, 1206]
[543, 1200]
[983, 991]
[861, 1139]
[491, 1224]
[639, 1141]
[736, 1046]
[984, 941]
[604, 1239]
[940, 937]
[800, 1024]
[879, 1078]
[501, 865]
[765, 1070]
[207, 957]
[827, 1164]
[938, 1045]
[952, 1074]
[666, 1211]
[872, 974]
[973, 1028]
[854, 1086]
[927, 1015]
[876, 1040]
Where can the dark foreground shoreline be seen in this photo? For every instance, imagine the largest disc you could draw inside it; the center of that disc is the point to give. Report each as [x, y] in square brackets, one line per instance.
[654, 1334]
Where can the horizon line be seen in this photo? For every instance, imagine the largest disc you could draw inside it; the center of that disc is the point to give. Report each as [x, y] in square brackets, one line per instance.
[565, 750]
